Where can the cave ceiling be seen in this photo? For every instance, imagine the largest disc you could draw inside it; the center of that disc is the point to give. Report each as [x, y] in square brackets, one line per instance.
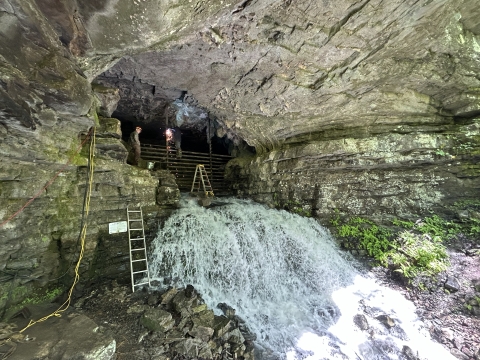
[273, 72]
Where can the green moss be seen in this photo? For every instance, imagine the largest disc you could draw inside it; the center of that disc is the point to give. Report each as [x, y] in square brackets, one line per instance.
[18, 297]
[12, 295]
[470, 170]
[42, 296]
[77, 157]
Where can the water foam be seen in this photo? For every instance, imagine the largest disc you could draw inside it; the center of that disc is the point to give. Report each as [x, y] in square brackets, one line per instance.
[282, 273]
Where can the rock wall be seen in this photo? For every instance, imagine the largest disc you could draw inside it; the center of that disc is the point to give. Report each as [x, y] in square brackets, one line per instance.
[371, 108]
[40, 246]
[47, 106]
[382, 173]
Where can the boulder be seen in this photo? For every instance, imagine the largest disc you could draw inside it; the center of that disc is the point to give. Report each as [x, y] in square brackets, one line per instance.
[409, 354]
[452, 284]
[221, 325]
[157, 320]
[205, 318]
[202, 332]
[183, 304]
[169, 295]
[361, 321]
[386, 320]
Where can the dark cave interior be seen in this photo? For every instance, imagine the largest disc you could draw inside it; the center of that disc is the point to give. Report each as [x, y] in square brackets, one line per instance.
[192, 139]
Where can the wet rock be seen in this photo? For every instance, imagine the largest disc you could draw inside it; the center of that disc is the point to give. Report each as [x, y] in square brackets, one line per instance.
[467, 351]
[205, 318]
[458, 354]
[472, 252]
[202, 332]
[200, 308]
[447, 334]
[181, 303]
[173, 336]
[361, 321]
[190, 291]
[136, 309]
[409, 353]
[221, 325]
[458, 342]
[386, 320]
[153, 299]
[452, 284]
[157, 320]
[205, 202]
[169, 295]
[227, 310]
[191, 347]
[476, 284]
[234, 337]
[6, 330]
[477, 353]
[72, 337]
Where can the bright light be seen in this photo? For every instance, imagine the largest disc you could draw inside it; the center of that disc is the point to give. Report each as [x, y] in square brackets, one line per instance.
[169, 134]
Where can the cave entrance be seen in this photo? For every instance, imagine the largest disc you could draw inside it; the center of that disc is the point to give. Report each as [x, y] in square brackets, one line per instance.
[196, 148]
[156, 105]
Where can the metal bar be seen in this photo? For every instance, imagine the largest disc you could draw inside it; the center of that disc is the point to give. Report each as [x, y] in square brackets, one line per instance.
[161, 147]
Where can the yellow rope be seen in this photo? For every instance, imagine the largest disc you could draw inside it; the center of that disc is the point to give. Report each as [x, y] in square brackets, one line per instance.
[66, 304]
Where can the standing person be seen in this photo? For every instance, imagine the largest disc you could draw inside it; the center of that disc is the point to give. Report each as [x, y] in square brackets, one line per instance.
[135, 143]
[177, 138]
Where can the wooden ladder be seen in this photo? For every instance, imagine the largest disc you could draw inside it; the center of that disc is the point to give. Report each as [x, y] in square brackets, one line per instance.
[138, 251]
[202, 180]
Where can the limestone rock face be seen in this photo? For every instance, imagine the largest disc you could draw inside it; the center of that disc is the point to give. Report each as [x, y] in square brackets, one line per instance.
[275, 71]
[107, 100]
[393, 175]
[370, 107]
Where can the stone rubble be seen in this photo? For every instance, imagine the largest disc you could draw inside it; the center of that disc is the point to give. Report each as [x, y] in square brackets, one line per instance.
[174, 324]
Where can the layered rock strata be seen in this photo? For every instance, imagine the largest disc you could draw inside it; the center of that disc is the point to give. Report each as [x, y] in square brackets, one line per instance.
[400, 172]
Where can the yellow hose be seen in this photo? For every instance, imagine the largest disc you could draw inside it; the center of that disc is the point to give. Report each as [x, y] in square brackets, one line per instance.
[66, 304]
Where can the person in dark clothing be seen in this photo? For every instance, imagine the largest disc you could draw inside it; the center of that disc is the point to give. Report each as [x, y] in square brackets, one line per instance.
[135, 144]
[177, 139]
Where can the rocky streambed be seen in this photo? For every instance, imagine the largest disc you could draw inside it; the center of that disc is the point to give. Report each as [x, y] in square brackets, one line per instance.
[175, 324]
[108, 321]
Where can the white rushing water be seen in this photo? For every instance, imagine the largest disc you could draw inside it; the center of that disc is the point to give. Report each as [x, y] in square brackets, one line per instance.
[285, 276]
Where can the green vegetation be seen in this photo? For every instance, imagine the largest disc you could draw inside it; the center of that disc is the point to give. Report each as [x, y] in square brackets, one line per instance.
[18, 293]
[415, 249]
[370, 237]
[469, 224]
[42, 296]
[416, 254]
[441, 152]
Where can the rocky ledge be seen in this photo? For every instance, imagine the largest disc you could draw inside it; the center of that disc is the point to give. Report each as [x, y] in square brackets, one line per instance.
[175, 324]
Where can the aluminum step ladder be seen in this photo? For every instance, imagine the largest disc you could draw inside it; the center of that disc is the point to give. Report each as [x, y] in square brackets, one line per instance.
[202, 176]
[138, 251]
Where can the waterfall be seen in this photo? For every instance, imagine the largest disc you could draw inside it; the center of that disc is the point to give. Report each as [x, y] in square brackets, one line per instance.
[285, 276]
